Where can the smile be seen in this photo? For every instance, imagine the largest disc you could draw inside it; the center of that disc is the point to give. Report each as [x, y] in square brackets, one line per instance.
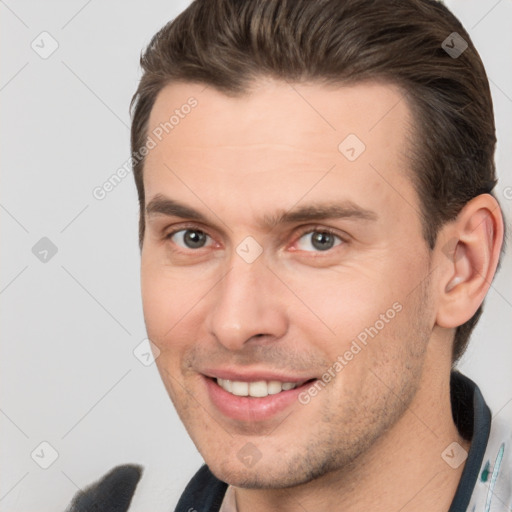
[257, 389]
[255, 399]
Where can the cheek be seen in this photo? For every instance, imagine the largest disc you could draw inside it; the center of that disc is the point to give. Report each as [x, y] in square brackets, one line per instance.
[155, 301]
[358, 317]
[165, 303]
[343, 304]
[161, 288]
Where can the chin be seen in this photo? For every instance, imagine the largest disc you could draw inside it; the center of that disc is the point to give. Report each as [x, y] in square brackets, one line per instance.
[262, 476]
[254, 479]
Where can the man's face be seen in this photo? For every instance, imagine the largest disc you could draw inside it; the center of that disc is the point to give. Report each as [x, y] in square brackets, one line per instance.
[337, 305]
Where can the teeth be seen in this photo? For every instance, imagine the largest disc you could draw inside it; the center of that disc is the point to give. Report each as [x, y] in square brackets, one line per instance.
[240, 388]
[274, 387]
[258, 389]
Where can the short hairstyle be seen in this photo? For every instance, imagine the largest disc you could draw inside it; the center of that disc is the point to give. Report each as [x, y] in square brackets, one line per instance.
[228, 44]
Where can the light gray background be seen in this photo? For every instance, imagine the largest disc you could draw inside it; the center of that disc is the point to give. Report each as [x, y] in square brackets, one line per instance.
[70, 325]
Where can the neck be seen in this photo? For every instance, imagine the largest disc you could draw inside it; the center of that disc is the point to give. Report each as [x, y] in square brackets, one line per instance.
[403, 471]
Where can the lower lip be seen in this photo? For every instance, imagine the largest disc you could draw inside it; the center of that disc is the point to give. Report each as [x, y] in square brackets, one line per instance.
[250, 409]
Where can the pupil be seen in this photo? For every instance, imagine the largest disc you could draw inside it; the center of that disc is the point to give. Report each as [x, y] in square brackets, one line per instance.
[322, 241]
[194, 239]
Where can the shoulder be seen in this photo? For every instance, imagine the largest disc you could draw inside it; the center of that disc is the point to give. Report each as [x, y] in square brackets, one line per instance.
[113, 492]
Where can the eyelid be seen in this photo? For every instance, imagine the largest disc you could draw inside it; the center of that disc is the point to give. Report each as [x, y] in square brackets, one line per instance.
[321, 229]
[184, 227]
[180, 227]
[300, 232]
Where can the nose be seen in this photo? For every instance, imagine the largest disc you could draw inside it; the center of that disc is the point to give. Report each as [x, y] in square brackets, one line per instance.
[248, 305]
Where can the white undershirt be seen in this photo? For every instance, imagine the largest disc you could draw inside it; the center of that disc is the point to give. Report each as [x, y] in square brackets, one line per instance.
[229, 502]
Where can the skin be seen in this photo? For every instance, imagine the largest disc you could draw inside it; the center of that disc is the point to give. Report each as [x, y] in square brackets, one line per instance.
[374, 435]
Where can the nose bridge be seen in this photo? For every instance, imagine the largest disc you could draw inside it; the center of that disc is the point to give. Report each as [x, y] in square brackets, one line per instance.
[246, 303]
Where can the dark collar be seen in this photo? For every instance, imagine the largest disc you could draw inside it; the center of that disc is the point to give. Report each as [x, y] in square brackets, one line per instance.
[472, 417]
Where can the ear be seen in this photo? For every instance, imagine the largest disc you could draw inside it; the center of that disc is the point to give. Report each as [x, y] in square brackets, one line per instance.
[472, 244]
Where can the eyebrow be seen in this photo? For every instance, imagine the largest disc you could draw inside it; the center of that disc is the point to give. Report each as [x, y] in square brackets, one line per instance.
[162, 205]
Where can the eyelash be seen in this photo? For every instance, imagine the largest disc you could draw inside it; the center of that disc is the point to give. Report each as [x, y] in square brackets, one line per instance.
[323, 230]
[304, 231]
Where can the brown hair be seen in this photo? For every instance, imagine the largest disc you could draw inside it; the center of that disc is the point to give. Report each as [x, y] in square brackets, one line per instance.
[227, 44]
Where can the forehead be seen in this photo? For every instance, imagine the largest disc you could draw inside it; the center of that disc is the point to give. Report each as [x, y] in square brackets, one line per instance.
[309, 111]
[279, 140]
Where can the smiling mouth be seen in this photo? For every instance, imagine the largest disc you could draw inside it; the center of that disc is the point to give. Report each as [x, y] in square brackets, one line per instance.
[257, 389]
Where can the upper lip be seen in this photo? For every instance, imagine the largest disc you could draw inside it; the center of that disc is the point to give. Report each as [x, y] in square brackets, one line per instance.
[253, 375]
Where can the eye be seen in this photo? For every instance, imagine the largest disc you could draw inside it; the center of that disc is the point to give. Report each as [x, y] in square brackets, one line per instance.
[188, 238]
[320, 239]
